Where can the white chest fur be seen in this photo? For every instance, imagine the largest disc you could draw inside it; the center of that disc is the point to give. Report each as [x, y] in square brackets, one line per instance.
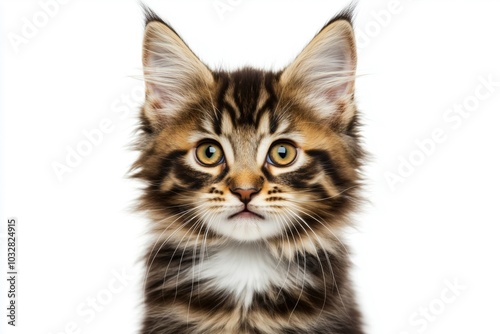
[242, 269]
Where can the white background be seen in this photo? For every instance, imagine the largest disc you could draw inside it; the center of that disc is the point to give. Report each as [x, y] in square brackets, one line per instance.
[438, 225]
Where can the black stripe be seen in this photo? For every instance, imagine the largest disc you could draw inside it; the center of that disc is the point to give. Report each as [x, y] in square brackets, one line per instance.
[168, 162]
[222, 175]
[300, 178]
[167, 324]
[247, 86]
[231, 112]
[305, 304]
[270, 177]
[190, 178]
[223, 80]
[194, 292]
[331, 168]
[270, 103]
[145, 125]
[199, 296]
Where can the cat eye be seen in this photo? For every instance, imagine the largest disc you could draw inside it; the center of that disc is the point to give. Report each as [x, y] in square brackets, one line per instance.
[282, 154]
[209, 154]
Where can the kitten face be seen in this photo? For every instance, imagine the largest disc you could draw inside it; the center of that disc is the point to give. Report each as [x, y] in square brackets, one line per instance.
[249, 155]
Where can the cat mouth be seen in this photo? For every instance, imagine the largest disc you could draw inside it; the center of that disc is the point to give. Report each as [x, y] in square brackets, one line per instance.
[245, 213]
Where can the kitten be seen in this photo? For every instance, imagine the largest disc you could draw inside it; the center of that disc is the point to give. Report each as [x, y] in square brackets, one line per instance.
[250, 178]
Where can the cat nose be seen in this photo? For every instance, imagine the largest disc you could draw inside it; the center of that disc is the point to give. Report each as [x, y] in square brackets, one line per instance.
[245, 194]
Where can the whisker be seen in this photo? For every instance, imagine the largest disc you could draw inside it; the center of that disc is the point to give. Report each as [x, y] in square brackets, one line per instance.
[165, 241]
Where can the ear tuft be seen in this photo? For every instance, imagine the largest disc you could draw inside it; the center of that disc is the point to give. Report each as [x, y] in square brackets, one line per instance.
[347, 14]
[150, 15]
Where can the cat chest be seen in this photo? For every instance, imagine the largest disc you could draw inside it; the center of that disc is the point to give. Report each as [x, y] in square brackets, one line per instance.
[243, 270]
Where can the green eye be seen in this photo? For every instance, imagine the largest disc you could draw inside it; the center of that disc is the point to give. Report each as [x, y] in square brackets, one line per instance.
[209, 154]
[282, 154]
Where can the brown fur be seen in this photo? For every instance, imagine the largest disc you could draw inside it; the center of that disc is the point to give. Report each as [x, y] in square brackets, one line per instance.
[311, 200]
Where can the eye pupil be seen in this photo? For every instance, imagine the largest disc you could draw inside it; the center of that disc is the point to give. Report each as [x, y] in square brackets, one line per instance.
[282, 152]
[210, 151]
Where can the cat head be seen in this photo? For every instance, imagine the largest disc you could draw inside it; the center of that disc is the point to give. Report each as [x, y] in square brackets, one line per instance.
[249, 155]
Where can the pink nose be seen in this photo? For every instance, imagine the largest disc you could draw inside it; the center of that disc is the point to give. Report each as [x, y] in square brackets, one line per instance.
[245, 194]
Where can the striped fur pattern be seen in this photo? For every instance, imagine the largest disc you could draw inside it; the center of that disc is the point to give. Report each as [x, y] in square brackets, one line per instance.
[246, 245]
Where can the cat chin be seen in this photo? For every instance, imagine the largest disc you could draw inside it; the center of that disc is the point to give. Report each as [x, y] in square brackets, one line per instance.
[246, 228]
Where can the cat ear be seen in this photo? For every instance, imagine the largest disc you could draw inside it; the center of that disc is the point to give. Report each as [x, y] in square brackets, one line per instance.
[172, 72]
[324, 71]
